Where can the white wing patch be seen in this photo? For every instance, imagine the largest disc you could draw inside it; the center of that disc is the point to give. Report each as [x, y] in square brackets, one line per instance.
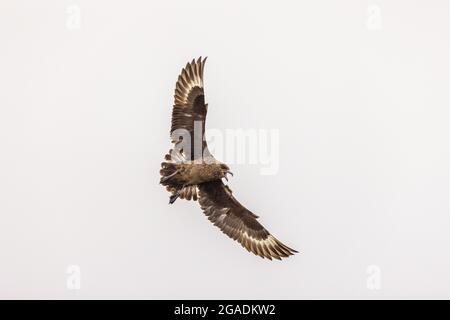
[267, 248]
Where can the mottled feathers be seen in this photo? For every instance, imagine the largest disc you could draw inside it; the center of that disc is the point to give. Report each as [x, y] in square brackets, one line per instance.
[237, 222]
[215, 198]
[189, 108]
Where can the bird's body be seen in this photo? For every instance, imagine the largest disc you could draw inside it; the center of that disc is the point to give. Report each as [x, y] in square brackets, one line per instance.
[191, 172]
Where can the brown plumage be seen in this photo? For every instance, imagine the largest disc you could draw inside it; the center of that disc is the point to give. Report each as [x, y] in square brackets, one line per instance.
[191, 172]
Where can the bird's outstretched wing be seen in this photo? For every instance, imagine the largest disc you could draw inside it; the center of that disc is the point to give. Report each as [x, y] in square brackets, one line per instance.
[240, 224]
[189, 111]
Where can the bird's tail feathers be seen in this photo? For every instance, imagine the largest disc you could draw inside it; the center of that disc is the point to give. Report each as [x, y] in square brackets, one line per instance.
[169, 167]
[168, 173]
[171, 178]
[189, 192]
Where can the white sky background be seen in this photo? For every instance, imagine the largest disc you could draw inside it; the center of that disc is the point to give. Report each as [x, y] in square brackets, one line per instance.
[362, 108]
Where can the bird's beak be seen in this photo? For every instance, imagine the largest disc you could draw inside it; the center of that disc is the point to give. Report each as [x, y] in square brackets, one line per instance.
[230, 173]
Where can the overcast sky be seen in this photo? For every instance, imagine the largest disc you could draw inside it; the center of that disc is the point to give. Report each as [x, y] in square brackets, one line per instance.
[357, 91]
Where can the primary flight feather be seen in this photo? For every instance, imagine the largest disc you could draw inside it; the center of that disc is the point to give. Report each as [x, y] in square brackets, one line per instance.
[191, 172]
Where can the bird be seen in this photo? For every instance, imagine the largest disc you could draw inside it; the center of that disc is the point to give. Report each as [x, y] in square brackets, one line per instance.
[189, 171]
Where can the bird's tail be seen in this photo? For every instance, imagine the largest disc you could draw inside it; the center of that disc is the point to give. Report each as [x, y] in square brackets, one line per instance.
[168, 173]
[169, 168]
[171, 179]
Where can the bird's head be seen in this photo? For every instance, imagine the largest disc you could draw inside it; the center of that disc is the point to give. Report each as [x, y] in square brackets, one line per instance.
[225, 170]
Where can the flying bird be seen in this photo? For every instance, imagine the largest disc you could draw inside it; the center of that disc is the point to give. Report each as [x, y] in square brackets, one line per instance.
[190, 171]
